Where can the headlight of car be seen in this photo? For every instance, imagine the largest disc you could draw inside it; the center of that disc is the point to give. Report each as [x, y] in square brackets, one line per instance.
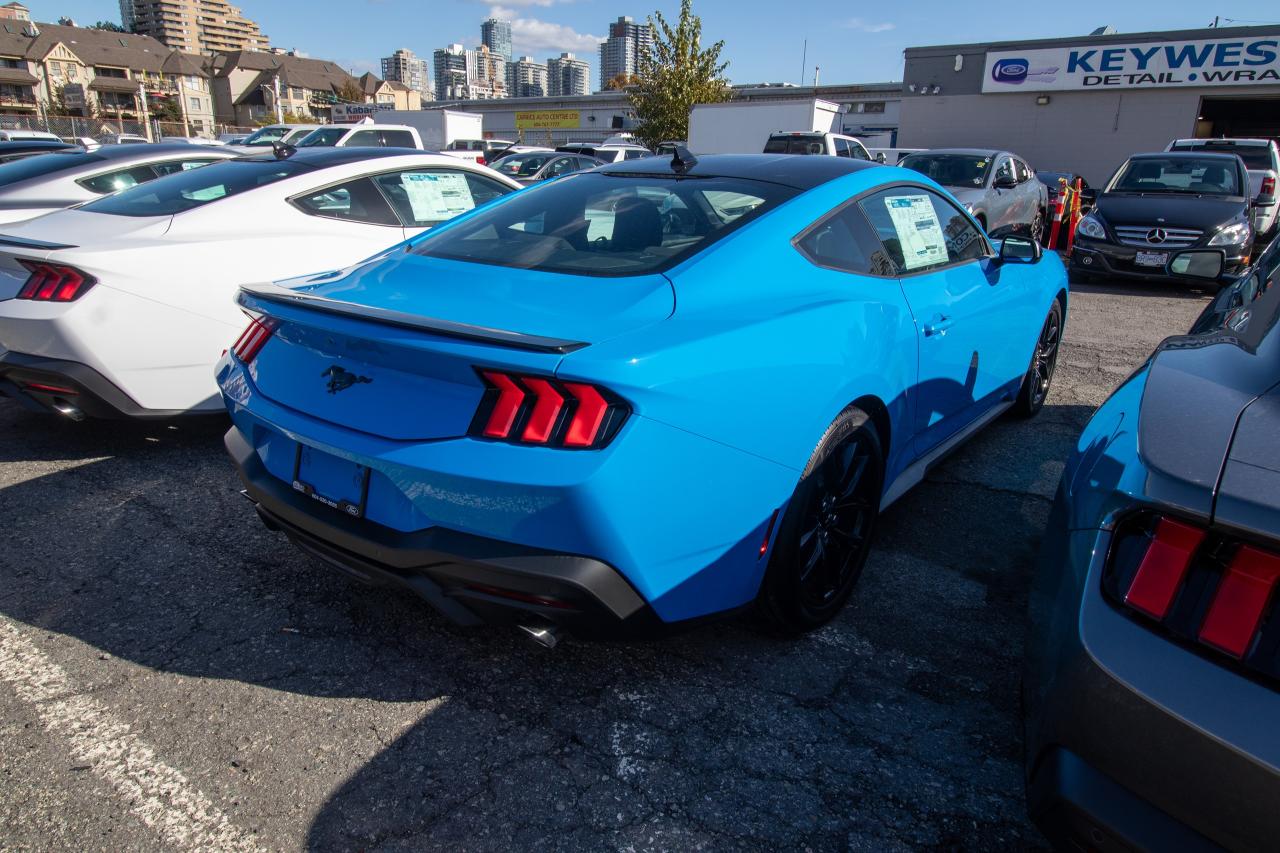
[1091, 226]
[1236, 232]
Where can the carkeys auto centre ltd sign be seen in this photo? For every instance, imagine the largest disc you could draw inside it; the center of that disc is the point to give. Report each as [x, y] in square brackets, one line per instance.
[1154, 65]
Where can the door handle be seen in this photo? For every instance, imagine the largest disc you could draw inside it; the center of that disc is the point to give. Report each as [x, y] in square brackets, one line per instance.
[938, 326]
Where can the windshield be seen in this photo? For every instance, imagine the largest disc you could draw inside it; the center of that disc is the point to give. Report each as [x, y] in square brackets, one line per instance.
[951, 170]
[326, 136]
[789, 144]
[1254, 156]
[187, 190]
[1177, 175]
[46, 164]
[522, 165]
[599, 225]
[266, 136]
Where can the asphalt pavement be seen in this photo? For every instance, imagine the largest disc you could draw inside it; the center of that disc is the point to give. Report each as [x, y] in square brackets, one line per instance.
[173, 676]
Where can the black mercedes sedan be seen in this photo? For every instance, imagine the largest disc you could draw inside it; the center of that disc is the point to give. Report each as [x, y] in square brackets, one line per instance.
[1152, 681]
[1157, 205]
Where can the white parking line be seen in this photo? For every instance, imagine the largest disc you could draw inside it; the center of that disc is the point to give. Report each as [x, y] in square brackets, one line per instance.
[158, 794]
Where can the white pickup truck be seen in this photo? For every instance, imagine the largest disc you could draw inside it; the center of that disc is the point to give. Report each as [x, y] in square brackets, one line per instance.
[1262, 160]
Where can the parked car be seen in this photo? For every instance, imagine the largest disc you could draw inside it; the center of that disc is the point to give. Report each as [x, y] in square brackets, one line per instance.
[507, 448]
[17, 134]
[997, 187]
[162, 262]
[29, 147]
[1152, 674]
[191, 140]
[607, 153]
[34, 186]
[362, 135]
[1053, 184]
[123, 139]
[289, 134]
[539, 166]
[86, 142]
[892, 156]
[1158, 204]
[1262, 160]
[232, 138]
[815, 142]
[488, 149]
[668, 147]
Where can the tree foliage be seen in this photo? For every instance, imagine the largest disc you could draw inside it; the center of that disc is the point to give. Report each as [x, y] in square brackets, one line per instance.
[164, 108]
[350, 92]
[676, 73]
[109, 26]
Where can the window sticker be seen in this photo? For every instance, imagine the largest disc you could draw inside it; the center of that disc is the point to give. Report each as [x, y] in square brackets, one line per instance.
[919, 233]
[439, 196]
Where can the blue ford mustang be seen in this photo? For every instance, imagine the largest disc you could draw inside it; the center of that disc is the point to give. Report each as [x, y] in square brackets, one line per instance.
[640, 395]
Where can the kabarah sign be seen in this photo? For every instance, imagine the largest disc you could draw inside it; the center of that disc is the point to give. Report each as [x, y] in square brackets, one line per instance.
[1151, 65]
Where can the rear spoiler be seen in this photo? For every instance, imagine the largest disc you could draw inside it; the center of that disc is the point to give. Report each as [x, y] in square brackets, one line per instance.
[28, 243]
[250, 293]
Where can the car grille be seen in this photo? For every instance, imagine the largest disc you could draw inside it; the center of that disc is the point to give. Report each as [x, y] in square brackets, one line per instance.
[1157, 236]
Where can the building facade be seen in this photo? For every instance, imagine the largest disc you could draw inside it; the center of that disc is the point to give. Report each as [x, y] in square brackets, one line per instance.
[196, 26]
[404, 67]
[1084, 104]
[567, 75]
[526, 78]
[56, 70]
[490, 78]
[248, 85]
[454, 68]
[495, 34]
[620, 53]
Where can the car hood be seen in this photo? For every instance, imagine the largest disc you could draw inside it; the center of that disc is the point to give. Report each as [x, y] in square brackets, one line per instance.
[1177, 211]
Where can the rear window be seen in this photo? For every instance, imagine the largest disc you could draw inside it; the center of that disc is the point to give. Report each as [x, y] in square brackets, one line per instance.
[324, 136]
[522, 165]
[266, 136]
[601, 225]
[187, 190]
[1254, 156]
[795, 145]
[48, 164]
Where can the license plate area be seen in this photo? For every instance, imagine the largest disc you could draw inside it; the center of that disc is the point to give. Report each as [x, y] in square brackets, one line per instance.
[1151, 259]
[332, 481]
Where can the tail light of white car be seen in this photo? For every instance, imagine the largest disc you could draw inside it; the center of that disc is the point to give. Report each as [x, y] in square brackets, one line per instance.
[54, 282]
[540, 410]
[1268, 187]
[1212, 591]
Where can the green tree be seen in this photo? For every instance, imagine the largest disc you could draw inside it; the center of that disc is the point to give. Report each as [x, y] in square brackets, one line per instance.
[350, 92]
[109, 26]
[165, 108]
[676, 74]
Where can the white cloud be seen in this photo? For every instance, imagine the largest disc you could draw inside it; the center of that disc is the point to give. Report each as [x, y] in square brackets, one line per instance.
[533, 36]
[868, 26]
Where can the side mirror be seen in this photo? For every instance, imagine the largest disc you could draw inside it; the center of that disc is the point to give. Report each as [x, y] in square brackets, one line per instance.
[1020, 249]
[1206, 265]
[1005, 182]
[880, 158]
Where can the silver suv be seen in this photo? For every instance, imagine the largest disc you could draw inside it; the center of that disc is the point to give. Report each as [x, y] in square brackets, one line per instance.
[997, 187]
[1262, 159]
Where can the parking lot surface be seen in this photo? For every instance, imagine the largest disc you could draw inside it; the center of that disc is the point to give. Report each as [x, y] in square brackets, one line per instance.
[174, 676]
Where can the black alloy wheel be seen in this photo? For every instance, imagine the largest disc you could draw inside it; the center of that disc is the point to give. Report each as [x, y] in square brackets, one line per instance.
[1035, 387]
[825, 535]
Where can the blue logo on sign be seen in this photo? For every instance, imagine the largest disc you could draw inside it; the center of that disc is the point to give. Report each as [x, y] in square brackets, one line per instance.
[1011, 71]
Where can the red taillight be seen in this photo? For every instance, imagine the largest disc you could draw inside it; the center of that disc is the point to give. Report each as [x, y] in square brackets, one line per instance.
[525, 409]
[482, 161]
[1201, 586]
[253, 338]
[1268, 186]
[53, 282]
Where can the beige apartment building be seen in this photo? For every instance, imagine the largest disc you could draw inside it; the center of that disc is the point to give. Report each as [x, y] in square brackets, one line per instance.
[196, 26]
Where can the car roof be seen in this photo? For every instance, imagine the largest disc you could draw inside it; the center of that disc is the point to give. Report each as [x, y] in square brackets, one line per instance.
[1225, 141]
[965, 152]
[108, 153]
[1185, 155]
[35, 145]
[322, 157]
[792, 170]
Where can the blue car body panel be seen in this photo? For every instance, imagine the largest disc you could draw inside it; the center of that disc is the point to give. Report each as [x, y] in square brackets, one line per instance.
[733, 363]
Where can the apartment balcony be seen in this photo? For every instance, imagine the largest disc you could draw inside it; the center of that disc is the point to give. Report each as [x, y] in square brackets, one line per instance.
[16, 101]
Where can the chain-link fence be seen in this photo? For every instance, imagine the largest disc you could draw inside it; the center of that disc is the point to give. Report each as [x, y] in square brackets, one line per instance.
[78, 126]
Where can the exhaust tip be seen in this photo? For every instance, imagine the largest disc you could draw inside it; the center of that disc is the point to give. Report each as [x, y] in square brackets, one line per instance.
[544, 635]
[66, 409]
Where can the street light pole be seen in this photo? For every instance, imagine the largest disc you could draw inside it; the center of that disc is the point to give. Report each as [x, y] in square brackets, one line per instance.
[146, 113]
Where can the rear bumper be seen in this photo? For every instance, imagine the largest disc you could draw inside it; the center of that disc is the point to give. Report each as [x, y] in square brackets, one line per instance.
[469, 579]
[67, 388]
[1130, 737]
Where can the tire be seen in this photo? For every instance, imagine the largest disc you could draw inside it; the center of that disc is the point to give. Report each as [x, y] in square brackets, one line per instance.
[1039, 377]
[825, 534]
[1037, 227]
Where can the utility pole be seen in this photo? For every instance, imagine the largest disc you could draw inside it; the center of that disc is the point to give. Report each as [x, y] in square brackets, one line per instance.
[804, 60]
[146, 114]
[275, 82]
[182, 106]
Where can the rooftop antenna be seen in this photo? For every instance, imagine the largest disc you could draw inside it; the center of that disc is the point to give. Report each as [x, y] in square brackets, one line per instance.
[682, 160]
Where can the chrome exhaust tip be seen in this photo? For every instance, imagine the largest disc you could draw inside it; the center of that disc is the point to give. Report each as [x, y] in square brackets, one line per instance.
[544, 635]
[65, 409]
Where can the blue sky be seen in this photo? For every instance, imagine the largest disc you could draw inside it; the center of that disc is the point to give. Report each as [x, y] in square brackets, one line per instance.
[853, 43]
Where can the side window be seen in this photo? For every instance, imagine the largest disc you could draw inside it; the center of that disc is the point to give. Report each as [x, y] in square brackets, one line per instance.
[178, 166]
[363, 137]
[562, 166]
[842, 242]
[921, 230]
[424, 197]
[354, 201]
[120, 179]
[398, 139]
[1004, 169]
[633, 154]
[586, 163]
[842, 148]
[858, 151]
[1024, 173]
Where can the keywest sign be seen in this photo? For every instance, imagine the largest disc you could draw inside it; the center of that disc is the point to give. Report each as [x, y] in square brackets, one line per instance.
[1151, 65]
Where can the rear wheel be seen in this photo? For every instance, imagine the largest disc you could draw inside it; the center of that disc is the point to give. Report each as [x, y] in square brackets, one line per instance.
[1037, 227]
[1035, 385]
[825, 535]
